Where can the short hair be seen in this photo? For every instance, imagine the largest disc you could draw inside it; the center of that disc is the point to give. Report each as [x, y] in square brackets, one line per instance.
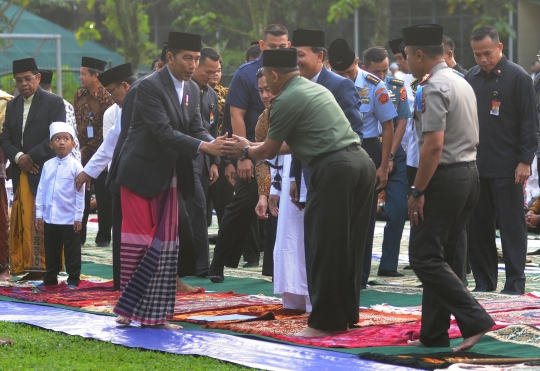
[432, 51]
[448, 42]
[93, 71]
[128, 80]
[482, 32]
[208, 53]
[260, 73]
[153, 66]
[275, 30]
[283, 70]
[318, 49]
[254, 51]
[375, 54]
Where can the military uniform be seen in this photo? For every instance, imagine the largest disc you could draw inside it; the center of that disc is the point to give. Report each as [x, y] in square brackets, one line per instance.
[396, 188]
[445, 103]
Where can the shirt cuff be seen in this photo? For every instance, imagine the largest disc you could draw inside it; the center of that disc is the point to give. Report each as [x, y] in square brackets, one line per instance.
[39, 214]
[17, 157]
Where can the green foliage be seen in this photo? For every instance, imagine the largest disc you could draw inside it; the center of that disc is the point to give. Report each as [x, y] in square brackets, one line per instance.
[7, 24]
[342, 9]
[488, 12]
[87, 32]
[36, 349]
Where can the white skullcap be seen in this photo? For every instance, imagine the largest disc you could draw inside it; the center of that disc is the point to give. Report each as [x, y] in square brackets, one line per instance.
[60, 127]
[394, 65]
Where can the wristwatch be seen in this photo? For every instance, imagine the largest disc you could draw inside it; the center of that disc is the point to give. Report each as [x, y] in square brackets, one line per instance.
[416, 192]
[245, 154]
[392, 155]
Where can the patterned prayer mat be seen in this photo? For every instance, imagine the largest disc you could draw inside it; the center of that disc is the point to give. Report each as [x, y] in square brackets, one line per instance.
[518, 334]
[518, 317]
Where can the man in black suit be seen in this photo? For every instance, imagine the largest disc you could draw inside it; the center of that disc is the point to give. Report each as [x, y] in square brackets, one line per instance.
[25, 141]
[165, 136]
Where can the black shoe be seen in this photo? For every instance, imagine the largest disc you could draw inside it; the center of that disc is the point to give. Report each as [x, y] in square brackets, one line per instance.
[537, 252]
[385, 273]
[251, 265]
[217, 279]
[216, 272]
[508, 292]
[202, 274]
[480, 289]
[102, 244]
[407, 267]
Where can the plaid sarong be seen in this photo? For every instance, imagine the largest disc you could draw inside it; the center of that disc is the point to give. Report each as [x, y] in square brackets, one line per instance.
[149, 253]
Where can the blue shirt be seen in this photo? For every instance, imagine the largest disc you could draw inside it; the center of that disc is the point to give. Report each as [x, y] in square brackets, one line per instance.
[398, 95]
[376, 105]
[244, 95]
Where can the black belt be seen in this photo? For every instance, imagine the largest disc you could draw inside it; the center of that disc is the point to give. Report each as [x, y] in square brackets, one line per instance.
[470, 165]
[350, 147]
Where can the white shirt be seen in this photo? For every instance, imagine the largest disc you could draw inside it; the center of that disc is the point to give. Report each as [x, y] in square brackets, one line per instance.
[57, 199]
[316, 77]
[410, 138]
[109, 118]
[103, 155]
[178, 86]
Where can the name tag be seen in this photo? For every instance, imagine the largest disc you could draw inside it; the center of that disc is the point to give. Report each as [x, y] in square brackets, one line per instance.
[495, 107]
[211, 118]
[90, 131]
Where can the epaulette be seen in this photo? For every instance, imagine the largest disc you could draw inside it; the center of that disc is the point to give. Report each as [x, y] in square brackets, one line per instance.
[373, 79]
[458, 73]
[425, 79]
[397, 82]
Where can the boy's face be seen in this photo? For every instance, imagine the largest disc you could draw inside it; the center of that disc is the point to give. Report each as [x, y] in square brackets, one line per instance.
[62, 144]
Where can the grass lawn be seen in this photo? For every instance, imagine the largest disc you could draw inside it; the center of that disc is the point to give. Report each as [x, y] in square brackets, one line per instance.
[37, 349]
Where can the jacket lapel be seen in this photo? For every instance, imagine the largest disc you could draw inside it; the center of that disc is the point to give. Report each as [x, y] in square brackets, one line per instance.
[187, 99]
[322, 77]
[171, 91]
[36, 103]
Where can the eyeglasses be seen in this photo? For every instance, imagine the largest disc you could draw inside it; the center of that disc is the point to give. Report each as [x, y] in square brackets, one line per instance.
[20, 80]
[113, 89]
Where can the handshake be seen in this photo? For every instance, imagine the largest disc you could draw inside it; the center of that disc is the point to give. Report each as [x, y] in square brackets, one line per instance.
[223, 146]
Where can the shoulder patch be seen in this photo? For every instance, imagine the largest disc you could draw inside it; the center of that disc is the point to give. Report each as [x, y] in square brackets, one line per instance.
[397, 82]
[458, 73]
[425, 79]
[373, 79]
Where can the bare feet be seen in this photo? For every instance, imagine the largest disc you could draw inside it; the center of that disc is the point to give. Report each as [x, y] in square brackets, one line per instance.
[185, 288]
[309, 332]
[123, 321]
[166, 326]
[415, 343]
[4, 275]
[469, 342]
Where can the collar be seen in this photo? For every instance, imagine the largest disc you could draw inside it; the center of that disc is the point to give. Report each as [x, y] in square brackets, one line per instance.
[437, 67]
[29, 99]
[316, 77]
[497, 70]
[58, 159]
[177, 83]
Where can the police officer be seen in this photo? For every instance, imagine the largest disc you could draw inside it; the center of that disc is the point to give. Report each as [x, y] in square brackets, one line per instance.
[376, 62]
[508, 141]
[445, 190]
[377, 112]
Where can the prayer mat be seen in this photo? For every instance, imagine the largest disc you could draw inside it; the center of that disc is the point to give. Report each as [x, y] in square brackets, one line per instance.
[433, 361]
[518, 334]
[518, 317]
[260, 312]
[205, 302]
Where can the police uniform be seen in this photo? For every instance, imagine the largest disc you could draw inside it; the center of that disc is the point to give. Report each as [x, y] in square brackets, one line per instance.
[445, 103]
[396, 188]
[508, 136]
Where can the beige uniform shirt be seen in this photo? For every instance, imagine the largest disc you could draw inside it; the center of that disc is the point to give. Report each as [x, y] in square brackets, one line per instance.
[446, 102]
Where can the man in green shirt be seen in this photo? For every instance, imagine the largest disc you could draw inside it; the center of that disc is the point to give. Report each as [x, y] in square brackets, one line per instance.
[307, 117]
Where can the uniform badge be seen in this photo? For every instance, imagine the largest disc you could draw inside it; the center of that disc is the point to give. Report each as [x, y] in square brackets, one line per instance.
[380, 90]
[383, 98]
[187, 100]
[211, 118]
[363, 92]
[403, 94]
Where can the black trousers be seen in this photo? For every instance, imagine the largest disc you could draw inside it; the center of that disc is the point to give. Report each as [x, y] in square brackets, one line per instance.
[373, 148]
[187, 255]
[411, 175]
[58, 238]
[269, 243]
[433, 250]
[104, 201]
[500, 200]
[336, 222]
[252, 247]
[220, 194]
[196, 209]
[236, 224]
[116, 237]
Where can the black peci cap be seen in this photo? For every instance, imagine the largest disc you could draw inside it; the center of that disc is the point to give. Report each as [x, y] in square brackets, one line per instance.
[340, 55]
[305, 37]
[185, 41]
[423, 35]
[394, 45]
[163, 56]
[46, 77]
[285, 58]
[114, 74]
[24, 65]
[96, 64]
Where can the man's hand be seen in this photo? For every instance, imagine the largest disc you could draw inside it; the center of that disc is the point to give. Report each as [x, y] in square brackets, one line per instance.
[523, 172]
[233, 146]
[293, 193]
[214, 174]
[416, 210]
[81, 179]
[382, 177]
[214, 148]
[273, 201]
[230, 174]
[77, 226]
[26, 165]
[262, 207]
[532, 219]
[245, 170]
[39, 224]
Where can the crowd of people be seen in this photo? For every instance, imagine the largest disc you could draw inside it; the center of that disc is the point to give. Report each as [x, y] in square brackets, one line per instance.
[293, 157]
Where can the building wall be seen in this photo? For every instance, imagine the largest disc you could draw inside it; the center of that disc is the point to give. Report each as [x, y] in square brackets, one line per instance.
[528, 39]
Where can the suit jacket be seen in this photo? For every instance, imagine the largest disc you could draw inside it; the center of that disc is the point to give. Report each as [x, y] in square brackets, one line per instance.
[348, 99]
[164, 134]
[45, 109]
[210, 121]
